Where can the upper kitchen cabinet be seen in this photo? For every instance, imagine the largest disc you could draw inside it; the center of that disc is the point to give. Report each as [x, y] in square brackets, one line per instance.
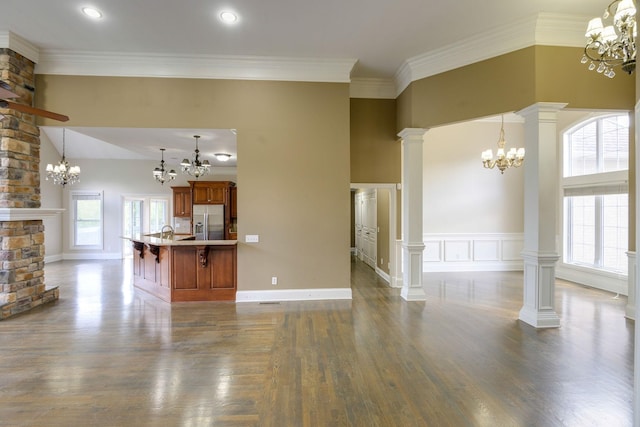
[210, 192]
[234, 202]
[181, 202]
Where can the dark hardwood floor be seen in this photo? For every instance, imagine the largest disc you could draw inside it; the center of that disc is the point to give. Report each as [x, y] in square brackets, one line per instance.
[106, 354]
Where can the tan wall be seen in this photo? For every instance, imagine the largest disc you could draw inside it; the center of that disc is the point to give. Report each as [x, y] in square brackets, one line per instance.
[293, 160]
[501, 84]
[375, 149]
[511, 82]
[560, 77]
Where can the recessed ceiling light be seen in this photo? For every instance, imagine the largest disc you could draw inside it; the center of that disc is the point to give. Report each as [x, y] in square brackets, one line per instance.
[228, 17]
[92, 12]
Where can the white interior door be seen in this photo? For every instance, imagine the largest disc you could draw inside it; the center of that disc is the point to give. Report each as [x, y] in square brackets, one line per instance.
[370, 227]
[358, 225]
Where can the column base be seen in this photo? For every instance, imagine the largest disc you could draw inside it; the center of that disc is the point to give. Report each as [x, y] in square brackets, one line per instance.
[539, 289]
[413, 294]
[412, 272]
[539, 319]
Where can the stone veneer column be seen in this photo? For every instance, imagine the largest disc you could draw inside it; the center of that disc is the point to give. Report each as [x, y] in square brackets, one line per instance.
[412, 239]
[21, 242]
[540, 209]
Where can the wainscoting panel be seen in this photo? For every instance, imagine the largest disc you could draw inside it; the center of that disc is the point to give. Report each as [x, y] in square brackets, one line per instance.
[432, 251]
[457, 250]
[473, 252]
[486, 250]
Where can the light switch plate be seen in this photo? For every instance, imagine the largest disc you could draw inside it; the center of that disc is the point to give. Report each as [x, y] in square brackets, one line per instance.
[252, 238]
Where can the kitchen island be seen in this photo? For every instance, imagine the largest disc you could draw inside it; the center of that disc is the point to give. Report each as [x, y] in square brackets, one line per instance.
[179, 268]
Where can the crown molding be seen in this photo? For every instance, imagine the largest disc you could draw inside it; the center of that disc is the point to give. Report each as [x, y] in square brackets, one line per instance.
[195, 66]
[561, 30]
[540, 29]
[372, 88]
[9, 40]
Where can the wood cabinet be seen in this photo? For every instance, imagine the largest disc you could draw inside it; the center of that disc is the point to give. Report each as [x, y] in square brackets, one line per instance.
[233, 220]
[210, 192]
[151, 269]
[234, 206]
[181, 201]
[186, 271]
[204, 273]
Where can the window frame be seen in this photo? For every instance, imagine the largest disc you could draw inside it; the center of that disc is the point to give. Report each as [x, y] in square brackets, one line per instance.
[593, 184]
[74, 197]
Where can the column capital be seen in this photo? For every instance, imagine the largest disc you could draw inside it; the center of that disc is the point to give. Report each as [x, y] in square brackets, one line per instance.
[412, 134]
[541, 107]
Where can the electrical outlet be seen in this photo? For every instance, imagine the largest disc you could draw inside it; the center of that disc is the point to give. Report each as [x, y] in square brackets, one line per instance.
[381, 261]
[252, 238]
[274, 280]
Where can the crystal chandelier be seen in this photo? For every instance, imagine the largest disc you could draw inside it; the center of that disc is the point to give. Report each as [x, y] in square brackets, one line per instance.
[196, 167]
[513, 158]
[613, 45]
[62, 173]
[160, 174]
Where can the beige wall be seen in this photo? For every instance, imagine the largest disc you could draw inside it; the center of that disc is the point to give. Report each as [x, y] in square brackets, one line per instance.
[375, 146]
[293, 160]
[375, 149]
[511, 82]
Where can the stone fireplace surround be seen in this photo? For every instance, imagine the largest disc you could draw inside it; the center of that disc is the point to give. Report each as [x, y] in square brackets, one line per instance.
[22, 285]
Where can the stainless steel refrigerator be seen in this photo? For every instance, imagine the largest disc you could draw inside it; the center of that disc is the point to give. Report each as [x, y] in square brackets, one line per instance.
[208, 222]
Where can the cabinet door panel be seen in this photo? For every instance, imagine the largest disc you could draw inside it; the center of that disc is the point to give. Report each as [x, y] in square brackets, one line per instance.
[223, 267]
[200, 194]
[184, 268]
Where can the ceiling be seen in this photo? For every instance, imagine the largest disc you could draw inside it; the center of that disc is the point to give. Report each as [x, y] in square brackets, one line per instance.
[143, 143]
[378, 36]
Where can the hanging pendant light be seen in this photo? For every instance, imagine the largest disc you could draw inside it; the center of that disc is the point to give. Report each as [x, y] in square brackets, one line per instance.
[160, 174]
[195, 167]
[510, 159]
[62, 173]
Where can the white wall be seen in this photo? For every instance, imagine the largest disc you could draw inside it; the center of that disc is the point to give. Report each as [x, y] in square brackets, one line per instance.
[50, 197]
[470, 198]
[473, 217]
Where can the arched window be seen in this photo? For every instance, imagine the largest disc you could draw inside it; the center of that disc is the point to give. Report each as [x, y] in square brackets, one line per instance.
[595, 187]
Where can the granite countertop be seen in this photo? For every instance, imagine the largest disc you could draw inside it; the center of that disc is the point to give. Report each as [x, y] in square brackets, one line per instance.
[178, 240]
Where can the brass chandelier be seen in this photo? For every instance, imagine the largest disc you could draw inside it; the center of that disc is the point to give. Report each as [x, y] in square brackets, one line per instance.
[511, 159]
[63, 173]
[615, 44]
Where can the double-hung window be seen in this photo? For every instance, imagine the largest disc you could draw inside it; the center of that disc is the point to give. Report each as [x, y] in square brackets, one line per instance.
[596, 193]
[86, 208]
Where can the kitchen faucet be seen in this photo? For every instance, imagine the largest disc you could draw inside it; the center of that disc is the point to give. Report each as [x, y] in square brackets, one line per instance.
[170, 233]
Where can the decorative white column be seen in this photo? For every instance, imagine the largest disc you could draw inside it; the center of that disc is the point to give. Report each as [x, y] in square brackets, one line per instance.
[540, 209]
[630, 309]
[412, 240]
[636, 285]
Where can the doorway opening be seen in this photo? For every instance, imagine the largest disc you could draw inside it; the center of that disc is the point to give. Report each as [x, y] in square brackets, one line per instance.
[374, 229]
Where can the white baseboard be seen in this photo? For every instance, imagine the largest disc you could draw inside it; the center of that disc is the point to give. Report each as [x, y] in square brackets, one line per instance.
[294, 295]
[53, 258]
[384, 275]
[91, 255]
[610, 282]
